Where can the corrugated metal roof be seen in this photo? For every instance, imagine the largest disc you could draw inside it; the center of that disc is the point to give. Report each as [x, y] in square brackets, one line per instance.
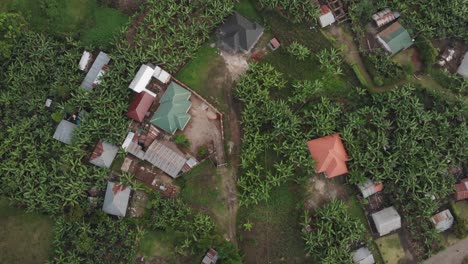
[442, 221]
[140, 105]
[463, 68]
[395, 37]
[387, 220]
[104, 154]
[64, 131]
[142, 78]
[461, 190]
[96, 71]
[363, 256]
[116, 199]
[166, 159]
[369, 187]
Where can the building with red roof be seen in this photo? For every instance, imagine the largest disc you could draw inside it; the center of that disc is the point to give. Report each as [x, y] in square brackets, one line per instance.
[140, 105]
[461, 190]
[329, 154]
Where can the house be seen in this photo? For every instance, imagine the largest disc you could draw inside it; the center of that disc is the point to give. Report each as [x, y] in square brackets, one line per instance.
[387, 220]
[142, 79]
[238, 34]
[162, 75]
[64, 131]
[211, 257]
[463, 68]
[96, 71]
[103, 154]
[442, 221]
[329, 154]
[461, 190]
[363, 256]
[172, 113]
[84, 61]
[384, 17]
[395, 38]
[140, 105]
[165, 158]
[369, 187]
[326, 16]
[116, 199]
[274, 44]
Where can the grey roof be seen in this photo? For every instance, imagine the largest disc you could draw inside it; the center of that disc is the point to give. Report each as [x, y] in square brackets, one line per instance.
[363, 256]
[386, 220]
[463, 68]
[64, 131]
[104, 154]
[163, 157]
[116, 200]
[95, 70]
[238, 33]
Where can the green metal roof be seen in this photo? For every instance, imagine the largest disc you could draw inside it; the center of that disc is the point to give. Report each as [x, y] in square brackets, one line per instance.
[172, 112]
[396, 37]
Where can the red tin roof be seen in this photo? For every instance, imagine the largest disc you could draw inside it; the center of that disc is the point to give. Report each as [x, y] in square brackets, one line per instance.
[140, 105]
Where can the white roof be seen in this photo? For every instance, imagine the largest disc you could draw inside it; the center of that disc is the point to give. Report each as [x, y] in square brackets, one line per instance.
[48, 102]
[363, 256]
[442, 221]
[463, 68]
[162, 75]
[84, 60]
[142, 78]
[192, 162]
[387, 220]
[326, 19]
[128, 140]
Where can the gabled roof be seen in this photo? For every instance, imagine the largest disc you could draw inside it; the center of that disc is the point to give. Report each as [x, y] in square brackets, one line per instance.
[461, 190]
[463, 68]
[64, 131]
[140, 105]
[442, 221]
[386, 220]
[96, 71]
[329, 154]
[104, 154]
[116, 200]
[369, 187]
[165, 158]
[239, 34]
[172, 112]
[142, 78]
[396, 38]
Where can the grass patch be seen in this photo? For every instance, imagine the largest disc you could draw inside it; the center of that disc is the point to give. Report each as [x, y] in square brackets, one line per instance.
[391, 249]
[157, 244]
[24, 237]
[360, 76]
[276, 233]
[462, 209]
[247, 9]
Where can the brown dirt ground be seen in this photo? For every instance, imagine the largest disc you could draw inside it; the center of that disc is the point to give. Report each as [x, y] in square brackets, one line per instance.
[321, 190]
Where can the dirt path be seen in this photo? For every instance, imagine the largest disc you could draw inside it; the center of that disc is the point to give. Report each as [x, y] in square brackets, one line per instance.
[452, 255]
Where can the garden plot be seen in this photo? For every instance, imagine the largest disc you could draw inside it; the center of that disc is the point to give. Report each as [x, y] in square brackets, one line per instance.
[391, 249]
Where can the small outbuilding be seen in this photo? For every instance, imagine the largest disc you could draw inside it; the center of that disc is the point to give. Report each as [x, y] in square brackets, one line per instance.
[48, 103]
[64, 131]
[326, 16]
[165, 158]
[387, 220]
[238, 34]
[463, 68]
[442, 221]
[461, 190]
[384, 17]
[142, 78]
[96, 71]
[84, 61]
[369, 187]
[274, 44]
[363, 256]
[103, 154]
[116, 199]
[329, 154]
[395, 38]
[211, 257]
[140, 105]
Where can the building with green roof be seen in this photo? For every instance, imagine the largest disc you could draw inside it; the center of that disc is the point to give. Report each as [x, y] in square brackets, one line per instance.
[395, 38]
[172, 113]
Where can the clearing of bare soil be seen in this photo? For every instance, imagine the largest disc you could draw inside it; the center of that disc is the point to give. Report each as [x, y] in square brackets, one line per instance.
[236, 64]
[321, 190]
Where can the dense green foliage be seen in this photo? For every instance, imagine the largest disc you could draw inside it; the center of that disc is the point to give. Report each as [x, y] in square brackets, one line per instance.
[11, 28]
[427, 52]
[296, 11]
[299, 51]
[382, 68]
[333, 234]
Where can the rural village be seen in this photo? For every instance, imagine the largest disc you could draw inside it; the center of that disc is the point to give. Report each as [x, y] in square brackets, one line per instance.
[251, 131]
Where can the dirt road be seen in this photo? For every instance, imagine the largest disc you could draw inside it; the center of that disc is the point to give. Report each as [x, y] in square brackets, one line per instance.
[451, 255]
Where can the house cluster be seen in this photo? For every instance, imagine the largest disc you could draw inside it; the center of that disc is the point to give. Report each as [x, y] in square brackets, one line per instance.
[394, 37]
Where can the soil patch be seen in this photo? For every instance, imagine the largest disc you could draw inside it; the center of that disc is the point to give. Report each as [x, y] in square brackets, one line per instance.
[321, 190]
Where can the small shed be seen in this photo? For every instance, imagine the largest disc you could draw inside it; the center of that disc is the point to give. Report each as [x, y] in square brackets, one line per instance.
[94, 75]
[64, 131]
[84, 61]
[103, 154]
[274, 44]
[363, 256]
[461, 190]
[369, 187]
[116, 199]
[142, 78]
[162, 75]
[442, 221]
[211, 257]
[387, 220]
[395, 38]
[463, 68]
[384, 17]
[48, 103]
[165, 158]
[326, 16]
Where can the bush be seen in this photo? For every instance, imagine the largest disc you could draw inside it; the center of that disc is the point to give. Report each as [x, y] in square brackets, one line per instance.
[202, 152]
[299, 51]
[57, 116]
[181, 140]
[427, 52]
[383, 69]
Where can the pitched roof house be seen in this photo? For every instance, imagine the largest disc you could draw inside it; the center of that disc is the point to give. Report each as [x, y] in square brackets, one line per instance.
[395, 38]
[369, 187]
[461, 190]
[238, 34]
[142, 78]
[96, 71]
[104, 154]
[162, 156]
[442, 221]
[140, 105]
[387, 220]
[463, 68]
[211, 257]
[363, 256]
[64, 131]
[172, 113]
[326, 16]
[116, 199]
[329, 154]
